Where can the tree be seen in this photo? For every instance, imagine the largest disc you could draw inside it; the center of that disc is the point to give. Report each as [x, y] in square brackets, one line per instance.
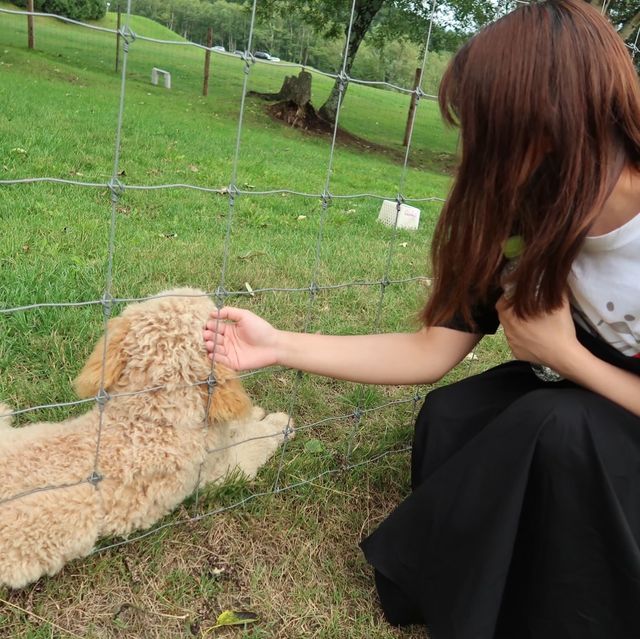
[74, 9]
[454, 21]
[392, 19]
[624, 14]
[364, 13]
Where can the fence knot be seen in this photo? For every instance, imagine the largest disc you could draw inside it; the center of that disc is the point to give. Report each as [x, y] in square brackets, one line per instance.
[314, 288]
[287, 429]
[343, 79]
[102, 397]
[384, 282]
[400, 200]
[357, 414]
[219, 296]
[95, 478]
[232, 192]
[212, 382]
[419, 92]
[127, 35]
[325, 198]
[107, 304]
[117, 189]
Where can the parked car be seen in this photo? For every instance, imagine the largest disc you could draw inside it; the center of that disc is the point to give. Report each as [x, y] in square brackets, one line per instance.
[219, 47]
[274, 59]
[262, 55]
[238, 52]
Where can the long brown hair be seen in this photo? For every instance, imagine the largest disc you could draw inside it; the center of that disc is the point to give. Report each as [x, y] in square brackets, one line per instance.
[548, 103]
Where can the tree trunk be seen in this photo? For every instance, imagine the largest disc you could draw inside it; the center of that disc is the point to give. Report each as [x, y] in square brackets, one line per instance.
[293, 103]
[365, 12]
[295, 89]
[630, 26]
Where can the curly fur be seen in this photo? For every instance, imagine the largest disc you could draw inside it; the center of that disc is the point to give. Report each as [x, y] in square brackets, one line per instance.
[153, 446]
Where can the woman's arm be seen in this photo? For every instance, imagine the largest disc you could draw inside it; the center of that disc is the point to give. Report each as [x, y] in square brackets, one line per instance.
[242, 340]
[621, 387]
[551, 340]
[393, 358]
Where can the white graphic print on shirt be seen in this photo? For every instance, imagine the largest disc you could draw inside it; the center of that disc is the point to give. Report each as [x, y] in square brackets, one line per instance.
[605, 287]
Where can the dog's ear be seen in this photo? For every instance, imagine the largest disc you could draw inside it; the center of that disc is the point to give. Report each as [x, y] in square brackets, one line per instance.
[229, 400]
[87, 384]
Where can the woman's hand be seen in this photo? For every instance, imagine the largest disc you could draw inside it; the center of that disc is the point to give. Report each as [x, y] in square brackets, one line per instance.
[549, 339]
[240, 339]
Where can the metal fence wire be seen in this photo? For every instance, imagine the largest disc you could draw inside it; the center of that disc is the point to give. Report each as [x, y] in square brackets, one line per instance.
[117, 187]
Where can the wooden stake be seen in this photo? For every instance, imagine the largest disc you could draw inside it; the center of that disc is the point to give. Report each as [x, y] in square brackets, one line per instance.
[412, 108]
[30, 26]
[207, 62]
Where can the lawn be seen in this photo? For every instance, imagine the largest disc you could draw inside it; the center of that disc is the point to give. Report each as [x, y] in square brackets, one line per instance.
[290, 557]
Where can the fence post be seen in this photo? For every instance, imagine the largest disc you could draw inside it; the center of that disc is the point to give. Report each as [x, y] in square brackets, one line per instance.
[207, 62]
[30, 27]
[412, 108]
[118, 39]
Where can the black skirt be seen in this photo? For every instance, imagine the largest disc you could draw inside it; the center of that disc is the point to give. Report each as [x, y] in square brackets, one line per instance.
[524, 520]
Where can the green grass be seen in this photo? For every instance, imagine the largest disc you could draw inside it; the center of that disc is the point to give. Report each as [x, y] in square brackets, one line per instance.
[291, 557]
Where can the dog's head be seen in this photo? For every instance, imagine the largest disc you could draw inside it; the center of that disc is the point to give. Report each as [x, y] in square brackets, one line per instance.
[158, 343]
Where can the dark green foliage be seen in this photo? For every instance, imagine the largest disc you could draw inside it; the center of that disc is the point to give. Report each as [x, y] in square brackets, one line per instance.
[74, 9]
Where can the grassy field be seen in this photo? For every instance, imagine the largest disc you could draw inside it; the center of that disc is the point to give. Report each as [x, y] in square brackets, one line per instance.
[292, 558]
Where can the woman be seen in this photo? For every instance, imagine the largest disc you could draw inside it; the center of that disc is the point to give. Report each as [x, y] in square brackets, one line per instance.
[524, 519]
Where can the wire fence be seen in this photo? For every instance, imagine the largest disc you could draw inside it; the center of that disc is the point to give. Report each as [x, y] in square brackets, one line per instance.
[117, 187]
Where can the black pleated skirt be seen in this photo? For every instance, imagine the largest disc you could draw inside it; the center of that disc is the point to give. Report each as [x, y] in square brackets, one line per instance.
[524, 518]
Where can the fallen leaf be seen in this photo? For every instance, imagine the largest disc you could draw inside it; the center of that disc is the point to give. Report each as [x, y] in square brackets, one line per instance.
[232, 618]
[302, 217]
[248, 287]
[404, 244]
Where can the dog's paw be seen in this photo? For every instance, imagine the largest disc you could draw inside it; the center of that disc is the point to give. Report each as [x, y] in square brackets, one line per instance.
[280, 423]
[5, 416]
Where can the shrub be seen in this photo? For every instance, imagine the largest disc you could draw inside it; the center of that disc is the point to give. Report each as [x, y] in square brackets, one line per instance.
[74, 9]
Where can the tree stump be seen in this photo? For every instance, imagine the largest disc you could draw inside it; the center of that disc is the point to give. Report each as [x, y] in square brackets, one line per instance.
[293, 102]
[295, 88]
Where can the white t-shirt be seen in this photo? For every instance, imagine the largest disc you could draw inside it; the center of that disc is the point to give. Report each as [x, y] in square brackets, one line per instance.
[605, 286]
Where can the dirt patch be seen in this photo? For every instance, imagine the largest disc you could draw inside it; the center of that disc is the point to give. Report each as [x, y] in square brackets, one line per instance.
[307, 120]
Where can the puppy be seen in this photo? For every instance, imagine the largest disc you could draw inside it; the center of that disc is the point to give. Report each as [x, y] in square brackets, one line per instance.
[146, 444]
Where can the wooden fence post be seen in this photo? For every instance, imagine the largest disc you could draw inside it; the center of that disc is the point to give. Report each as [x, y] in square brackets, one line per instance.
[30, 27]
[207, 62]
[118, 20]
[412, 108]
